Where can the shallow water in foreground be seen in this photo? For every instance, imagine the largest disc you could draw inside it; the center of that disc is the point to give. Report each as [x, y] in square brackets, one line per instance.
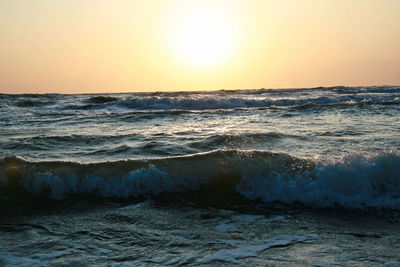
[92, 232]
[250, 177]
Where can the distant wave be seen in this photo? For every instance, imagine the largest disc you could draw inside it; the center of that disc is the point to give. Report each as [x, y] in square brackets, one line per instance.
[102, 99]
[223, 99]
[356, 181]
[209, 103]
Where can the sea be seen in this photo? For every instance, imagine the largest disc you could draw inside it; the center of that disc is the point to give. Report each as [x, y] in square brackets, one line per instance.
[283, 177]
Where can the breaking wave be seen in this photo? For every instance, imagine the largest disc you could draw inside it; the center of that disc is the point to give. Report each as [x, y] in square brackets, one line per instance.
[198, 101]
[209, 103]
[356, 181]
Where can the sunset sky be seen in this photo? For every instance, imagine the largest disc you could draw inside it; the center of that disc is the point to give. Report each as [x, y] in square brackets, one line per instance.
[84, 46]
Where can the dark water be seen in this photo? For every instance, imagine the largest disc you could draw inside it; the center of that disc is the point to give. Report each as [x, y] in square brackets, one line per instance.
[250, 177]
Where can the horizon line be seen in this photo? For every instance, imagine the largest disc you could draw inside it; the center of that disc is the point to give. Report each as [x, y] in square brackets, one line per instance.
[206, 90]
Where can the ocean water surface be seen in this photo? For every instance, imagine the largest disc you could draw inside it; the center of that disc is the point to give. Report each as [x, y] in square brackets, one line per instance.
[250, 177]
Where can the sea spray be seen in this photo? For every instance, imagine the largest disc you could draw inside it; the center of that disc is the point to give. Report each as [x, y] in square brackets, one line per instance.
[356, 181]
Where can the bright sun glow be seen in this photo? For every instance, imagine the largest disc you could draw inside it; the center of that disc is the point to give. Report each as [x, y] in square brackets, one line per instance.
[203, 39]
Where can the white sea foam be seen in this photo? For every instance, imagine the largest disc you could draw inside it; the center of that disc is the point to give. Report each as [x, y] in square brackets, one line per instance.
[243, 251]
[151, 181]
[222, 102]
[208, 100]
[135, 206]
[355, 181]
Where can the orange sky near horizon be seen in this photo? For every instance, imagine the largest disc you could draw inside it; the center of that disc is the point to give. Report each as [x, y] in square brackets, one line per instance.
[101, 46]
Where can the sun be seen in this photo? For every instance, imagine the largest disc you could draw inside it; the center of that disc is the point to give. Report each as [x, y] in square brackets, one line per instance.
[202, 38]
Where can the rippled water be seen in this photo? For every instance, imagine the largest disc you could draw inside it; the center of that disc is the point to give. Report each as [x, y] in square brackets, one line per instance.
[330, 122]
[200, 177]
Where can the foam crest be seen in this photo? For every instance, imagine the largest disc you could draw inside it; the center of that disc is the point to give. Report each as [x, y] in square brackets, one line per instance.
[143, 181]
[173, 103]
[356, 181]
[218, 102]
